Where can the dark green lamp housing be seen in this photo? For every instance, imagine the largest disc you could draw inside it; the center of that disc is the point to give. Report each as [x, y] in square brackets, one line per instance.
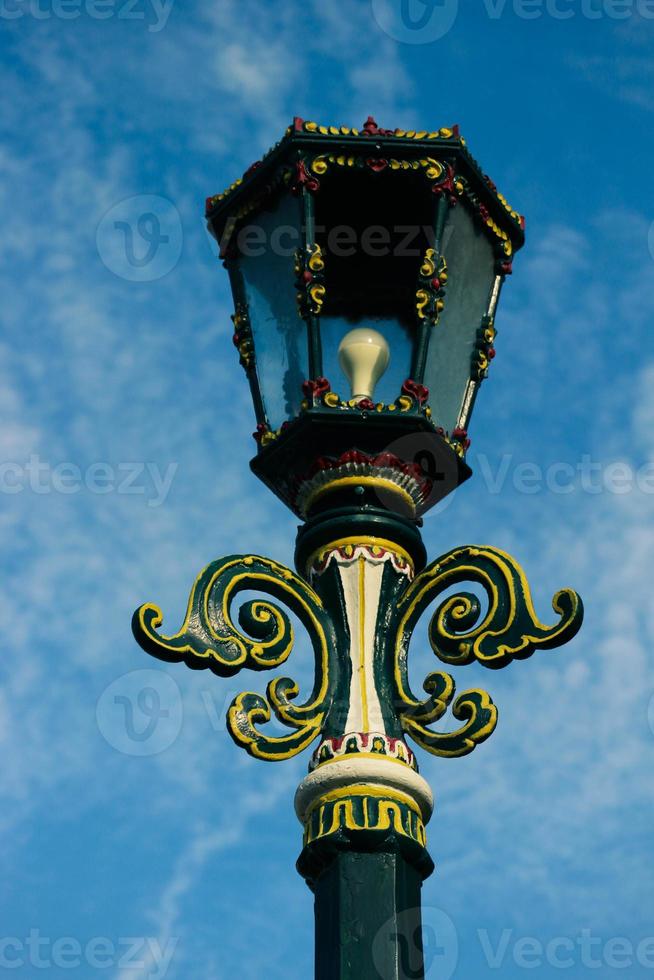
[366, 267]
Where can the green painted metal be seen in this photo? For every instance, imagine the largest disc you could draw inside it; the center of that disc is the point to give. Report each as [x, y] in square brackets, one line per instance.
[311, 318]
[327, 433]
[302, 144]
[337, 465]
[244, 342]
[342, 173]
[460, 633]
[364, 856]
[368, 922]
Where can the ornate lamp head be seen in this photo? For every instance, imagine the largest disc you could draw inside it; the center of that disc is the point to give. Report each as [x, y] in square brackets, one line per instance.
[396, 233]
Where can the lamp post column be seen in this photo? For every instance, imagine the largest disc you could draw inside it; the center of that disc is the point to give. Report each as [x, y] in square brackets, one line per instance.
[364, 806]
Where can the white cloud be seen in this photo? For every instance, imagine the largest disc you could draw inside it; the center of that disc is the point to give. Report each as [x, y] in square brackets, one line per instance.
[201, 846]
[573, 740]
[96, 368]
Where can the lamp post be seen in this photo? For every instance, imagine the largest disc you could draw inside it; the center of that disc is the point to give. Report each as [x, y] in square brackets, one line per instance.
[370, 260]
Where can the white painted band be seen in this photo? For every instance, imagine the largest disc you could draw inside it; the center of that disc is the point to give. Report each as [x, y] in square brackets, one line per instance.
[350, 771]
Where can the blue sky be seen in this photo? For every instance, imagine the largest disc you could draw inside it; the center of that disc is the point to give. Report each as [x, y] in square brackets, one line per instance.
[546, 831]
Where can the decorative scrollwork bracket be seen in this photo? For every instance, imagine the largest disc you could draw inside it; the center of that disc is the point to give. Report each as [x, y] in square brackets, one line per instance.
[359, 604]
[460, 633]
[209, 639]
[360, 613]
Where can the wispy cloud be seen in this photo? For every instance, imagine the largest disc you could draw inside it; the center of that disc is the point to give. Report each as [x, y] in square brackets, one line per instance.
[95, 368]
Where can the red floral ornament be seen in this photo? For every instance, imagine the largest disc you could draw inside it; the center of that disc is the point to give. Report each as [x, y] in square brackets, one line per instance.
[382, 461]
[351, 456]
[315, 388]
[446, 186]
[415, 390]
[366, 404]
[304, 179]
[370, 128]
[377, 165]
[385, 459]
[260, 432]
[460, 435]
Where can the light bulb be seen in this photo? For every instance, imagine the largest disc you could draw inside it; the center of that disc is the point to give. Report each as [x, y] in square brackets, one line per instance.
[364, 356]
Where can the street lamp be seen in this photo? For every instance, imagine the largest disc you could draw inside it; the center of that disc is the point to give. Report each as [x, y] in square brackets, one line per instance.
[366, 268]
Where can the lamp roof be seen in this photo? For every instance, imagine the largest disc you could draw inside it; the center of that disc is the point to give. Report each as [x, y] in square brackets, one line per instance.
[307, 149]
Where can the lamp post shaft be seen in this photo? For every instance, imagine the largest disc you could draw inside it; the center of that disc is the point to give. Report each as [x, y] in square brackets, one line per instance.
[363, 805]
[368, 922]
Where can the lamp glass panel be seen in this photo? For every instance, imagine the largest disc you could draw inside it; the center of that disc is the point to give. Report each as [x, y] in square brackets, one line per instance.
[470, 265]
[399, 341]
[374, 229]
[267, 268]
